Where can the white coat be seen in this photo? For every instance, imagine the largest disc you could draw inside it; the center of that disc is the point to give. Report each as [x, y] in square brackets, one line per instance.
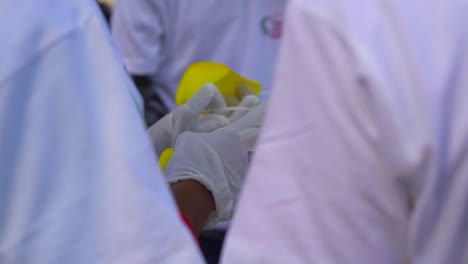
[161, 38]
[79, 181]
[364, 153]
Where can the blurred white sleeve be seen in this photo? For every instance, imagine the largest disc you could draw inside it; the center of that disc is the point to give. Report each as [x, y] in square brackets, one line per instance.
[138, 27]
[79, 182]
[324, 185]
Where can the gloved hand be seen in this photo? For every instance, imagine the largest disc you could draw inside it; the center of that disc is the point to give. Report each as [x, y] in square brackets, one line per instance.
[218, 160]
[248, 126]
[187, 118]
[242, 103]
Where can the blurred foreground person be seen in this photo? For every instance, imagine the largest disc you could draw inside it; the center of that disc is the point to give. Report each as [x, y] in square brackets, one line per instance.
[364, 157]
[79, 181]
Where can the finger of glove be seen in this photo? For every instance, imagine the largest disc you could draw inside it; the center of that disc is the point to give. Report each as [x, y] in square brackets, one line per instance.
[211, 122]
[161, 134]
[252, 119]
[202, 98]
[244, 90]
[217, 104]
[245, 105]
[184, 119]
[231, 100]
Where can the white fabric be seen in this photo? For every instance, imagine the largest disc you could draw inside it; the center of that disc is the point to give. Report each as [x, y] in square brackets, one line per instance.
[79, 181]
[163, 37]
[364, 151]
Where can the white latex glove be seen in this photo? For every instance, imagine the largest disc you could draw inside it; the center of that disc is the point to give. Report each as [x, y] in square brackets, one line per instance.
[242, 103]
[248, 126]
[218, 160]
[187, 118]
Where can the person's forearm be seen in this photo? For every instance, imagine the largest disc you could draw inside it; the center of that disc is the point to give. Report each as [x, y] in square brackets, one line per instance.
[194, 201]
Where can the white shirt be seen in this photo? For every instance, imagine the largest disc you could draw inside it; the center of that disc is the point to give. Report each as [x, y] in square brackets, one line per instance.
[161, 38]
[79, 181]
[364, 151]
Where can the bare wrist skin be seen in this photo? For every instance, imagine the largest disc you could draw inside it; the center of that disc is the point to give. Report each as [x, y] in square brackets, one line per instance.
[194, 201]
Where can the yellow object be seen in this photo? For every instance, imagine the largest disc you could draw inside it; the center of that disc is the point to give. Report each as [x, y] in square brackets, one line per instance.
[219, 74]
[165, 158]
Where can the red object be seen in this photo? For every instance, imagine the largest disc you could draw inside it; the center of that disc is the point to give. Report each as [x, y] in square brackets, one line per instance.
[189, 225]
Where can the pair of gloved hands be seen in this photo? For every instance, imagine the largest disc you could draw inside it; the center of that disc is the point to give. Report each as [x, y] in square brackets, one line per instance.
[211, 148]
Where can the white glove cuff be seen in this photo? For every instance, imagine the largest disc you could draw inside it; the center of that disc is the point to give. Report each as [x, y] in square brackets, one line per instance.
[222, 197]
